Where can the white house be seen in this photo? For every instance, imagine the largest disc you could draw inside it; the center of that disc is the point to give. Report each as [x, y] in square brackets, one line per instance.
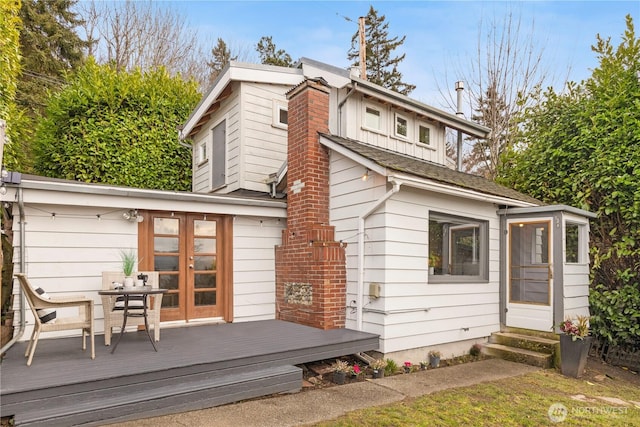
[324, 199]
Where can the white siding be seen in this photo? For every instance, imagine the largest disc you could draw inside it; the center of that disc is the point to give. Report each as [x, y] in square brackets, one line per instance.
[254, 289]
[229, 110]
[66, 254]
[412, 312]
[264, 148]
[576, 276]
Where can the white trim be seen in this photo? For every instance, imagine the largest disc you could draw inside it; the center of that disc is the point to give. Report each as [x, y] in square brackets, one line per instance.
[382, 128]
[279, 106]
[239, 71]
[396, 117]
[432, 134]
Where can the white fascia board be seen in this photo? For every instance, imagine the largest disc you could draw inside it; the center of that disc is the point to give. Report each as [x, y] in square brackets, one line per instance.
[548, 208]
[240, 71]
[448, 119]
[38, 192]
[364, 161]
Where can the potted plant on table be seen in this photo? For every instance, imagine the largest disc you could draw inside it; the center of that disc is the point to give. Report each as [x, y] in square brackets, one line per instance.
[128, 265]
[575, 343]
[434, 358]
[378, 366]
[340, 369]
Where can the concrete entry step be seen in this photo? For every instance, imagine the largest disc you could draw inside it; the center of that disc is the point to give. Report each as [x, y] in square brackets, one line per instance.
[520, 355]
[528, 342]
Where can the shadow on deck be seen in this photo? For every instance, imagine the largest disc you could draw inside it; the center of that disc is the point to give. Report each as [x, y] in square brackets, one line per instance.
[195, 367]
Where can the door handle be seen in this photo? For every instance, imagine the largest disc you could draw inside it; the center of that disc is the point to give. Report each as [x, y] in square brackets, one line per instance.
[190, 265]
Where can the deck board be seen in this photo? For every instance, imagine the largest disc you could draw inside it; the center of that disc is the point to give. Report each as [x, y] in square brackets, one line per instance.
[61, 361]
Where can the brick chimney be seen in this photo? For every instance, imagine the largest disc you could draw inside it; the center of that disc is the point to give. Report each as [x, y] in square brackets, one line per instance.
[310, 264]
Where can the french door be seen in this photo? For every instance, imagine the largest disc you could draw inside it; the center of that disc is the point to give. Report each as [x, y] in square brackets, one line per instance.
[190, 253]
[530, 275]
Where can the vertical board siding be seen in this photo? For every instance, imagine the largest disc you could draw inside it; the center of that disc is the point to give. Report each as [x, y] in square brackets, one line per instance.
[254, 289]
[396, 249]
[353, 118]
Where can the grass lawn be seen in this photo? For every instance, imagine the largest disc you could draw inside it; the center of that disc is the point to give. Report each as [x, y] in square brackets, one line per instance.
[519, 401]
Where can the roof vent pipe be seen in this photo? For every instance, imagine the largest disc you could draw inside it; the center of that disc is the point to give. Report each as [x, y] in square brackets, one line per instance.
[459, 113]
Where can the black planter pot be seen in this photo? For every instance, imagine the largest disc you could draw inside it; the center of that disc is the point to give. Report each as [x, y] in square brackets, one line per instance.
[378, 373]
[573, 355]
[339, 377]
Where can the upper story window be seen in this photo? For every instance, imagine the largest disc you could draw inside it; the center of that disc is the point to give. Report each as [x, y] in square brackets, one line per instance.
[424, 134]
[280, 114]
[458, 249]
[201, 153]
[402, 126]
[372, 118]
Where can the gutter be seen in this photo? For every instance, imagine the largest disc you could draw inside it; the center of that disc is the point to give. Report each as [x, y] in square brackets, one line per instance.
[22, 300]
[459, 192]
[361, 224]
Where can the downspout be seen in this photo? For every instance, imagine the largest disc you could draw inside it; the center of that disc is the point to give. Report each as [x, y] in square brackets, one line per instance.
[23, 322]
[361, 220]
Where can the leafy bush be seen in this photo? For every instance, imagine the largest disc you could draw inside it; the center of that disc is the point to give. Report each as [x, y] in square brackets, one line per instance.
[117, 127]
[615, 314]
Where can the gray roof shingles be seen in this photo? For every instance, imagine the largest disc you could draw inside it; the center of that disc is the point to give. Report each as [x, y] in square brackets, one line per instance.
[429, 170]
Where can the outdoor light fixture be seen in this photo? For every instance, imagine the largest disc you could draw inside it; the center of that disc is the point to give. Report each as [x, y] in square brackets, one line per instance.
[132, 215]
[365, 176]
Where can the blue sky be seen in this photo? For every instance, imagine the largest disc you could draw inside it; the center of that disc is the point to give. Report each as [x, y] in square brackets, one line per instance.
[441, 35]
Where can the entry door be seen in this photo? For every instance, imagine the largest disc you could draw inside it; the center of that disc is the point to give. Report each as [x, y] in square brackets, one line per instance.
[530, 275]
[186, 250]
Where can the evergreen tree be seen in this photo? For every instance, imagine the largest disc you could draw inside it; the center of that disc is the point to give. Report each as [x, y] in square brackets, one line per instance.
[269, 55]
[382, 68]
[221, 56]
[50, 48]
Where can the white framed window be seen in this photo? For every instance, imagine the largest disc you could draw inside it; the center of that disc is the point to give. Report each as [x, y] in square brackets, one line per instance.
[458, 249]
[401, 126]
[574, 238]
[280, 114]
[425, 133]
[201, 153]
[372, 118]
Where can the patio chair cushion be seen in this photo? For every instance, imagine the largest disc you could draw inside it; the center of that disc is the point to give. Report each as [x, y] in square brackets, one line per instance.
[46, 315]
[135, 301]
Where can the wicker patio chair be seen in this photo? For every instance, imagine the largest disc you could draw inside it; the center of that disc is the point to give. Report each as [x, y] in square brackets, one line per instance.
[113, 317]
[40, 304]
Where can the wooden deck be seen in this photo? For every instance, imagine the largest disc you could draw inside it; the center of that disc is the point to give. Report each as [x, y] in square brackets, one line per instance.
[195, 367]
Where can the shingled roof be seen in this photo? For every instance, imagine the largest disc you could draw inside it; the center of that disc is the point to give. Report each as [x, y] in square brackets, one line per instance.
[428, 170]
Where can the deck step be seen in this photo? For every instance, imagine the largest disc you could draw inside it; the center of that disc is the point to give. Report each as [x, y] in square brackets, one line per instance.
[154, 398]
[520, 355]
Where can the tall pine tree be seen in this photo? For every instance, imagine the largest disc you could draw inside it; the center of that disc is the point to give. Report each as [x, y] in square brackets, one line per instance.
[270, 55]
[382, 68]
[50, 47]
[221, 56]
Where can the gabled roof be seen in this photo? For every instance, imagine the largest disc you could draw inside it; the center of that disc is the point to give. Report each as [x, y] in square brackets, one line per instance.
[394, 164]
[336, 77]
[221, 89]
